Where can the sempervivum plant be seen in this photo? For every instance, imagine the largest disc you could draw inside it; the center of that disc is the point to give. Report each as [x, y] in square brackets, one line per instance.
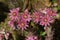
[29, 19]
[43, 17]
[48, 16]
[23, 20]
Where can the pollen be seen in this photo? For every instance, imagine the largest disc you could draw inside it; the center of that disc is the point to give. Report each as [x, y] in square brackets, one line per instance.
[25, 16]
[14, 14]
[45, 20]
[22, 24]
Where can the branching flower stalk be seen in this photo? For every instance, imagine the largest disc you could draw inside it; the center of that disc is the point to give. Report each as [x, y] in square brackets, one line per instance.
[49, 33]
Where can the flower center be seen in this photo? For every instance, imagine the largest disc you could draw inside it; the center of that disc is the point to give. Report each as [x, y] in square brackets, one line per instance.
[45, 20]
[22, 24]
[37, 16]
[14, 14]
[25, 16]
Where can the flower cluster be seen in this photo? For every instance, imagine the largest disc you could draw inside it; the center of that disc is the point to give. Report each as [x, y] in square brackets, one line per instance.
[19, 21]
[43, 17]
[4, 34]
[48, 16]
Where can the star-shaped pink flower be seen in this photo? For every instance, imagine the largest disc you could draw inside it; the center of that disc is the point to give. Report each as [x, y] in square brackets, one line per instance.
[14, 15]
[36, 17]
[46, 20]
[22, 24]
[26, 15]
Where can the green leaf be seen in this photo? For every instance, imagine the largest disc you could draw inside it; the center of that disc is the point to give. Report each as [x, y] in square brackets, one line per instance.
[26, 33]
[58, 7]
[42, 33]
[54, 1]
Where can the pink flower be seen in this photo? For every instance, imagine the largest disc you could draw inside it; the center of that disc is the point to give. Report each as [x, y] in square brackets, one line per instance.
[22, 24]
[36, 17]
[49, 11]
[11, 23]
[14, 14]
[43, 11]
[46, 20]
[26, 16]
[1, 36]
[31, 37]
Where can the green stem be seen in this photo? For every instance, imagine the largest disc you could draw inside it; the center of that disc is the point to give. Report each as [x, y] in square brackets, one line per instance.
[49, 33]
[14, 35]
